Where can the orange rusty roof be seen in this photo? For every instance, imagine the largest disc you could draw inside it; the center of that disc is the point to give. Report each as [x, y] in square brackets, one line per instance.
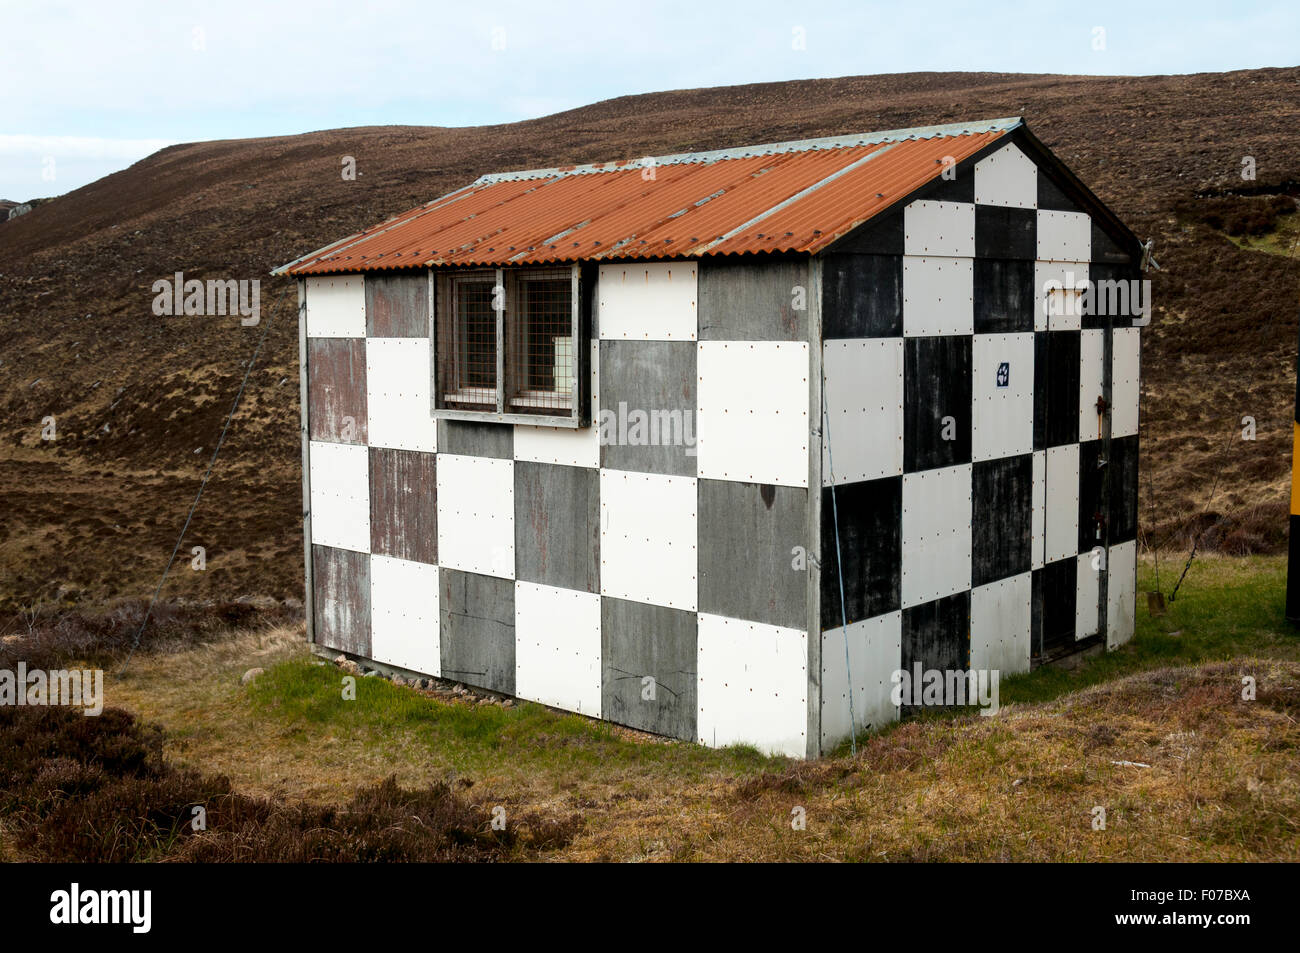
[781, 197]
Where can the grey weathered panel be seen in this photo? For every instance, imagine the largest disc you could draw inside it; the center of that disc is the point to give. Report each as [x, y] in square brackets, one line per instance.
[397, 306]
[753, 301]
[403, 504]
[640, 641]
[747, 532]
[341, 599]
[477, 636]
[557, 525]
[474, 439]
[336, 389]
[655, 379]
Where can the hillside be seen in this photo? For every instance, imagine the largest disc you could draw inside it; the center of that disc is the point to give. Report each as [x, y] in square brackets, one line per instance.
[139, 400]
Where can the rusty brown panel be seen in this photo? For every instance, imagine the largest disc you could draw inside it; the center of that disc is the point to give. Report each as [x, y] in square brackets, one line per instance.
[336, 382]
[397, 306]
[341, 599]
[403, 504]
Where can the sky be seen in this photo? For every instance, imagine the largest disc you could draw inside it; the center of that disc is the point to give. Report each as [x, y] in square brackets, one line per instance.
[86, 89]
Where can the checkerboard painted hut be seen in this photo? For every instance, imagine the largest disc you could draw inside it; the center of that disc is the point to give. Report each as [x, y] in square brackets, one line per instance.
[703, 443]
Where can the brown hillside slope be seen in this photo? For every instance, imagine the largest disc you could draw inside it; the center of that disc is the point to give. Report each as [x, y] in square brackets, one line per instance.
[139, 400]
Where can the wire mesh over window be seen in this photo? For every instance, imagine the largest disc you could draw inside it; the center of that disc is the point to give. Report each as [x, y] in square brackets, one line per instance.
[542, 363]
[467, 343]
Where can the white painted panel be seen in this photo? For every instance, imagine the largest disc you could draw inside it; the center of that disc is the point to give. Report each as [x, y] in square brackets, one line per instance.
[864, 409]
[1008, 178]
[1092, 371]
[938, 296]
[397, 394]
[753, 685]
[939, 228]
[476, 514]
[1061, 533]
[565, 445]
[1086, 620]
[1059, 287]
[1002, 414]
[404, 614]
[936, 533]
[1125, 380]
[340, 495]
[1121, 593]
[648, 538]
[336, 307]
[752, 423]
[653, 301]
[1000, 622]
[1064, 236]
[1037, 519]
[557, 647]
[875, 653]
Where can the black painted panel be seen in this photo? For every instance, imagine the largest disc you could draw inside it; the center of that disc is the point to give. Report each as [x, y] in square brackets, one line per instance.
[1106, 249]
[960, 188]
[1121, 514]
[1002, 232]
[936, 384]
[862, 296]
[1050, 195]
[870, 528]
[1058, 583]
[1004, 296]
[1002, 506]
[1091, 476]
[1123, 489]
[1060, 384]
[879, 236]
[1124, 305]
[937, 634]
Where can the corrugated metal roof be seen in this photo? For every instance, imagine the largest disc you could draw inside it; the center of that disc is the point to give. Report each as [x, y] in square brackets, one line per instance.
[780, 197]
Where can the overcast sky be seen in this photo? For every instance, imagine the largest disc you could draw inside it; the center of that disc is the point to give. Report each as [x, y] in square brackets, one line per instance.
[88, 88]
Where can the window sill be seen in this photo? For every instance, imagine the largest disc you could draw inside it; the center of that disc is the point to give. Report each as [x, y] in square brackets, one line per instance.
[492, 417]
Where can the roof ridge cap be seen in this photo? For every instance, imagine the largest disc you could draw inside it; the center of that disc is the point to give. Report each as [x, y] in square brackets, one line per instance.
[1004, 124]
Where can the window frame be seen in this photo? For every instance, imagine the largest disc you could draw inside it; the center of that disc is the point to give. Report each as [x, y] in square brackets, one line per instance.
[509, 327]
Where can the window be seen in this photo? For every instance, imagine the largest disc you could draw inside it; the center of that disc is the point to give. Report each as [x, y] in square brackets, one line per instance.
[506, 346]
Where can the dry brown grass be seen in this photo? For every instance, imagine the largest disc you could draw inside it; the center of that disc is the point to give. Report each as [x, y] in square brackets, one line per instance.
[1222, 782]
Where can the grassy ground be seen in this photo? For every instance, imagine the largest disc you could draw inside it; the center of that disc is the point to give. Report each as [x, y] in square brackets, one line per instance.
[1212, 776]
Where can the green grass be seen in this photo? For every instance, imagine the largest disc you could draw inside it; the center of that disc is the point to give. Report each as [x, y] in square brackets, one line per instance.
[474, 739]
[1226, 608]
